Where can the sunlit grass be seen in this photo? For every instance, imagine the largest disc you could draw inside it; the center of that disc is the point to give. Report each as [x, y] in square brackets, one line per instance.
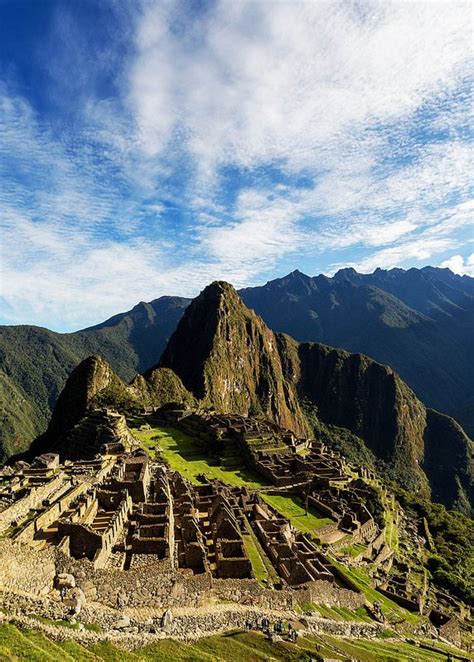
[292, 508]
[187, 455]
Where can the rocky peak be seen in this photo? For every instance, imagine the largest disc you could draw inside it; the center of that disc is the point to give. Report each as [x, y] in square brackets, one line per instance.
[89, 378]
[227, 357]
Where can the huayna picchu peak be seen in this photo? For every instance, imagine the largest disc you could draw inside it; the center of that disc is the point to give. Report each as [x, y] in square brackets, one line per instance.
[229, 359]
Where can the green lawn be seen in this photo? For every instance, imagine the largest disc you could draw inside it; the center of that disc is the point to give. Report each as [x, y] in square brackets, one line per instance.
[258, 566]
[32, 646]
[186, 455]
[341, 613]
[292, 508]
[353, 550]
[378, 651]
[389, 608]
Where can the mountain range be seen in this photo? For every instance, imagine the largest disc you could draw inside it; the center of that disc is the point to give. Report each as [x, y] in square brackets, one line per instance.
[223, 356]
[420, 322]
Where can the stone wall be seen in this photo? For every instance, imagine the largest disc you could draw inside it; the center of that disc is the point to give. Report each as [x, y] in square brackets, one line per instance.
[34, 499]
[23, 569]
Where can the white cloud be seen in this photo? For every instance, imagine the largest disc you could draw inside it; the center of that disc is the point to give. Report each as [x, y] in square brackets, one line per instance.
[464, 266]
[251, 82]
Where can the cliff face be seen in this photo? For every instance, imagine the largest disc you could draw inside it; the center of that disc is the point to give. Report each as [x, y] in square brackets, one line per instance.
[420, 322]
[228, 358]
[369, 399]
[448, 461]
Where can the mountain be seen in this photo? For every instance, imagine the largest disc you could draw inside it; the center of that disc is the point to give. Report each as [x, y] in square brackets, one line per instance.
[229, 359]
[223, 356]
[420, 322]
[35, 363]
[91, 386]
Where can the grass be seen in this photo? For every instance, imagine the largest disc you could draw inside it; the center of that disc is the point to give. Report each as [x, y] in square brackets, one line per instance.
[33, 646]
[258, 566]
[378, 651]
[272, 576]
[342, 613]
[362, 580]
[186, 455]
[13, 530]
[92, 627]
[292, 508]
[353, 550]
[391, 528]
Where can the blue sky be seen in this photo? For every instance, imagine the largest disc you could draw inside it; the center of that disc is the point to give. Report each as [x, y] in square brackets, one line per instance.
[148, 148]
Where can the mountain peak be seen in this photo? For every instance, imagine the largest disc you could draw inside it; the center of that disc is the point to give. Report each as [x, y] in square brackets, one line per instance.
[348, 273]
[90, 377]
[227, 357]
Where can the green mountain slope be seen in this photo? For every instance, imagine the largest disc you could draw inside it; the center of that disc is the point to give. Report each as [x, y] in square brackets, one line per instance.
[225, 357]
[420, 322]
[35, 363]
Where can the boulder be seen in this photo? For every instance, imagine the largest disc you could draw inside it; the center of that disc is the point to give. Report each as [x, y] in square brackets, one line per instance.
[124, 622]
[64, 580]
[166, 619]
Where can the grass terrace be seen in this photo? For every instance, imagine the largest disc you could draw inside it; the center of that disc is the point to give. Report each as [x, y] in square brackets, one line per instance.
[33, 646]
[292, 507]
[393, 611]
[187, 455]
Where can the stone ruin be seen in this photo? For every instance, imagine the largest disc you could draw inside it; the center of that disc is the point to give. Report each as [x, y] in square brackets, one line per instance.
[305, 467]
[120, 511]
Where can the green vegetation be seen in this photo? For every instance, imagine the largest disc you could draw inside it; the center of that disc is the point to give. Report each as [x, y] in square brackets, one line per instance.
[36, 362]
[13, 530]
[378, 651]
[392, 611]
[451, 559]
[92, 627]
[352, 447]
[340, 613]
[187, 455]
[292, 507]
[258, 566]
[33, 646]
[353, 550]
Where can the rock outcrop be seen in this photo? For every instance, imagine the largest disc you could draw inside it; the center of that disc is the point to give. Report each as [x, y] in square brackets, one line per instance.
[160, 386]
[92, 378]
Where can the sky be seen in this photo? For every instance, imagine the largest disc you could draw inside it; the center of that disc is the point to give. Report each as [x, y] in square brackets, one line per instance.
[149, 148]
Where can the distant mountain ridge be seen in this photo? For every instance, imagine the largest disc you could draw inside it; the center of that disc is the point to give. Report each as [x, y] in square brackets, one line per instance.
[224, 357]
[420, 322]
